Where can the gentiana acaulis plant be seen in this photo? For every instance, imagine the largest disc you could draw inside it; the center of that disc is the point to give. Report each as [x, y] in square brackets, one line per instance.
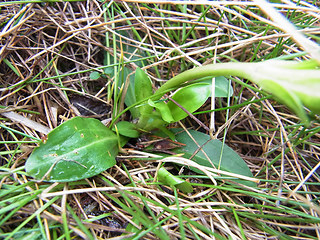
[67, 153]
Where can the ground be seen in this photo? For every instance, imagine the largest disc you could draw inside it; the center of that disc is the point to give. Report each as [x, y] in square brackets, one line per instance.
[61, 59]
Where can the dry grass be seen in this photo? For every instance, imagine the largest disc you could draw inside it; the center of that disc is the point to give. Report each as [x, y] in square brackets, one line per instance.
[47, 51]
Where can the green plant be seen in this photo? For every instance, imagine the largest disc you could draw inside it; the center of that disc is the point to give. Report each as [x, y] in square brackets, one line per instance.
[70, 145]
[47, 69]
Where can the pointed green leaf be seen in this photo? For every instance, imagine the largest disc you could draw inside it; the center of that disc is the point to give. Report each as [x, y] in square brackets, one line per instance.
[127, 129]
[77, 149]
[143, 90]
[126, 79]
[164, 110]
[191, 98]
[230, 160]
[130, 97]
[170, 180]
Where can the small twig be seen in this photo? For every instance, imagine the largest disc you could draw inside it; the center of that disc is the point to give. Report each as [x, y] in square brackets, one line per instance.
[15, 117]
[190, 115]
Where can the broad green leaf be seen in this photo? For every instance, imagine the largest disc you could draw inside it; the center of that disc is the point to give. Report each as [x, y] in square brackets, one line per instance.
[191, 98]
[143, 90]
[230, 160]
[164, 110]
[77, 149]
[127, 129]
[171, 180]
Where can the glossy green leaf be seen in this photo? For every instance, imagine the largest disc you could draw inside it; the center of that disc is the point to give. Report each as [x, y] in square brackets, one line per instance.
[125, 75]
[143, 90]
[169, 179]
[230, 160]
[191, 98]
[163, 109]
[127, 129]
[77, 149]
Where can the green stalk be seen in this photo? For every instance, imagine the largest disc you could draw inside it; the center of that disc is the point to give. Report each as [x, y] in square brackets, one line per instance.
[211, 70]
[293, 83]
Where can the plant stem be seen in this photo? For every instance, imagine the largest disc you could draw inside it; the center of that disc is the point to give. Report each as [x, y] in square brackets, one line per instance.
[211, 70]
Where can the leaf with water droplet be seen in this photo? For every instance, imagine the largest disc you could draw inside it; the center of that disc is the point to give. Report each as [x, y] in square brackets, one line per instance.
[77, 149]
